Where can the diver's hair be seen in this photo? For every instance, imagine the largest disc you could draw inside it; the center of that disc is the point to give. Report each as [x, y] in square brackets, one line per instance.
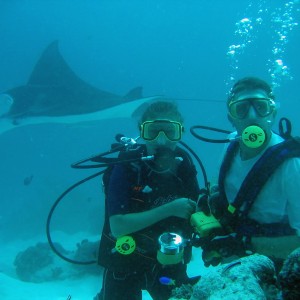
[250, 83]
[162, 109]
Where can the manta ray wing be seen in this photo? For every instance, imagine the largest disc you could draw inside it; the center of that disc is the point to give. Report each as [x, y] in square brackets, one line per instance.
[55, 91]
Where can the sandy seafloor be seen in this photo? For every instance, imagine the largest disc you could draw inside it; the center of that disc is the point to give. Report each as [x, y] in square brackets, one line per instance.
[83, 288]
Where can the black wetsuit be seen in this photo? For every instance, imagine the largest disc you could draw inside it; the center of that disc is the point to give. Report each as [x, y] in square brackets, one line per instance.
[135, 188]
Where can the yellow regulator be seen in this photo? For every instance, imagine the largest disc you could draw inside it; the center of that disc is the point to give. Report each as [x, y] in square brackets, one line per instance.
[253, 136]
[125, 245]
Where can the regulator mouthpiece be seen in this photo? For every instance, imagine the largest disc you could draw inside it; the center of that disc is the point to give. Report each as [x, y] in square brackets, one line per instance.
[253, 136]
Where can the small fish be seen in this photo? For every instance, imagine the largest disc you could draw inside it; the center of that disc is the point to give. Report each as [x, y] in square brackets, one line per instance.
[229, 266]
[166, 281]
[28, 180]
[69, 297]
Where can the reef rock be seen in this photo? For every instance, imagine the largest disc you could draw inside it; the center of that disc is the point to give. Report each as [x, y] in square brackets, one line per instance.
[39, 263]
[289, 276]
[251, 277]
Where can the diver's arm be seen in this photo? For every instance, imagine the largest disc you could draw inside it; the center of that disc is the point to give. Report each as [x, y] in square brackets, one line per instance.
[279, 247]
[282, 246]
[129, 223]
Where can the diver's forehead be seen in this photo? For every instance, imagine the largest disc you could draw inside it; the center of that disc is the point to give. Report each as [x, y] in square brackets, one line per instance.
[162, 124]
[162, 121]
[250, 94]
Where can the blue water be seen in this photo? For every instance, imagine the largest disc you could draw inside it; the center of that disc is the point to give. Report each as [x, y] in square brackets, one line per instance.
[175, 48]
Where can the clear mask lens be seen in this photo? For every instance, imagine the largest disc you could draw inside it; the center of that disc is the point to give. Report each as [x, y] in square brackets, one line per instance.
[262, 106]
[150, 130]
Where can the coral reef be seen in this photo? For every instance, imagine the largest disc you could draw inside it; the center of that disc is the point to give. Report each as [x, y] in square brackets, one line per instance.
[251, 277]
[87, 251]
[33, 264]
[39, 263]
[289, 276]
[183, 292]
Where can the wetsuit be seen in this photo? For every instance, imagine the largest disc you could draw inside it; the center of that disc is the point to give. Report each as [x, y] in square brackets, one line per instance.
[136, 188]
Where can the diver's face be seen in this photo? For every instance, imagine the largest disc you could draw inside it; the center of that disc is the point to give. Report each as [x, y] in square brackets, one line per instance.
[161, 133]
[160, 142]
[252, 108]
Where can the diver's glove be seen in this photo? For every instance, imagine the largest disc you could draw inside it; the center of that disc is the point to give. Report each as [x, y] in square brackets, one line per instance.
[222, 247]
[216, 239]
[203, 201]
[209, 201]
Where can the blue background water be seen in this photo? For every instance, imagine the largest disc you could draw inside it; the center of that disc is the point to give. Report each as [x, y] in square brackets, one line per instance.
[174, 48]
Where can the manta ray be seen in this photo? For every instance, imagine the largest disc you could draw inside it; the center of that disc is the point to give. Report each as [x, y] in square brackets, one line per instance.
[55, 94]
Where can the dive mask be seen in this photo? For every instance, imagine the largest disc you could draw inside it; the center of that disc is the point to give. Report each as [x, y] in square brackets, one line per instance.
[240, 108]
[150, 130]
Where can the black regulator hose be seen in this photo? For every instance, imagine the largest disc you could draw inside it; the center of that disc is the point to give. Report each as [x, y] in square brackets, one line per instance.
[50, 217]
[101, 162]
[204, 139]
[285, 128]
[206, 183]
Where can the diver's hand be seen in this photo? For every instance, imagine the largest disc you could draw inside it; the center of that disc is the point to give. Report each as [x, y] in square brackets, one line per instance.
[182, 208]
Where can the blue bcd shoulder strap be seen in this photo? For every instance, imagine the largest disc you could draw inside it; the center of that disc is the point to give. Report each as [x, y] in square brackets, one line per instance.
[258, 175]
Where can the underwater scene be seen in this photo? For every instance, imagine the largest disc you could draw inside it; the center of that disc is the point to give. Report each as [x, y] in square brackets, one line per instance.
[75, 79]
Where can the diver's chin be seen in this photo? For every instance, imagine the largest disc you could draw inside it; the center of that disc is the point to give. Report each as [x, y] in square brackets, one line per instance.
[153, 149]
[164, 159]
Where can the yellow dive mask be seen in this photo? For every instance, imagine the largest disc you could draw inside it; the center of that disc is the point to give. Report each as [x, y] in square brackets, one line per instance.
[150, 130]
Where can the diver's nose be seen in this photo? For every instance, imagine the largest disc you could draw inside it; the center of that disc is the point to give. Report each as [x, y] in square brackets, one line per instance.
[161, 139]
[252, 112]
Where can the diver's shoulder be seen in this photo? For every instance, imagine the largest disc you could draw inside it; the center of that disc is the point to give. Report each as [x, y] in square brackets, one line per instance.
[275, 139]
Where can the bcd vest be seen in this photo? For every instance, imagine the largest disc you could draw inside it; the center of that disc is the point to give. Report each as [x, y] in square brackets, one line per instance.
[238, 219]
[148, 190]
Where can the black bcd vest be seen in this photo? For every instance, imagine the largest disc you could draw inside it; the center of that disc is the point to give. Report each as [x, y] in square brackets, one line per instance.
[148, 190]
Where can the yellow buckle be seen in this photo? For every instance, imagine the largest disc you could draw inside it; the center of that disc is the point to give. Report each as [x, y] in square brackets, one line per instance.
[231, 208]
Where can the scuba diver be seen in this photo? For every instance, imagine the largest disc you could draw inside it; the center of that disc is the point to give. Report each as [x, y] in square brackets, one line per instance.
[256, 201]
[148, 205]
